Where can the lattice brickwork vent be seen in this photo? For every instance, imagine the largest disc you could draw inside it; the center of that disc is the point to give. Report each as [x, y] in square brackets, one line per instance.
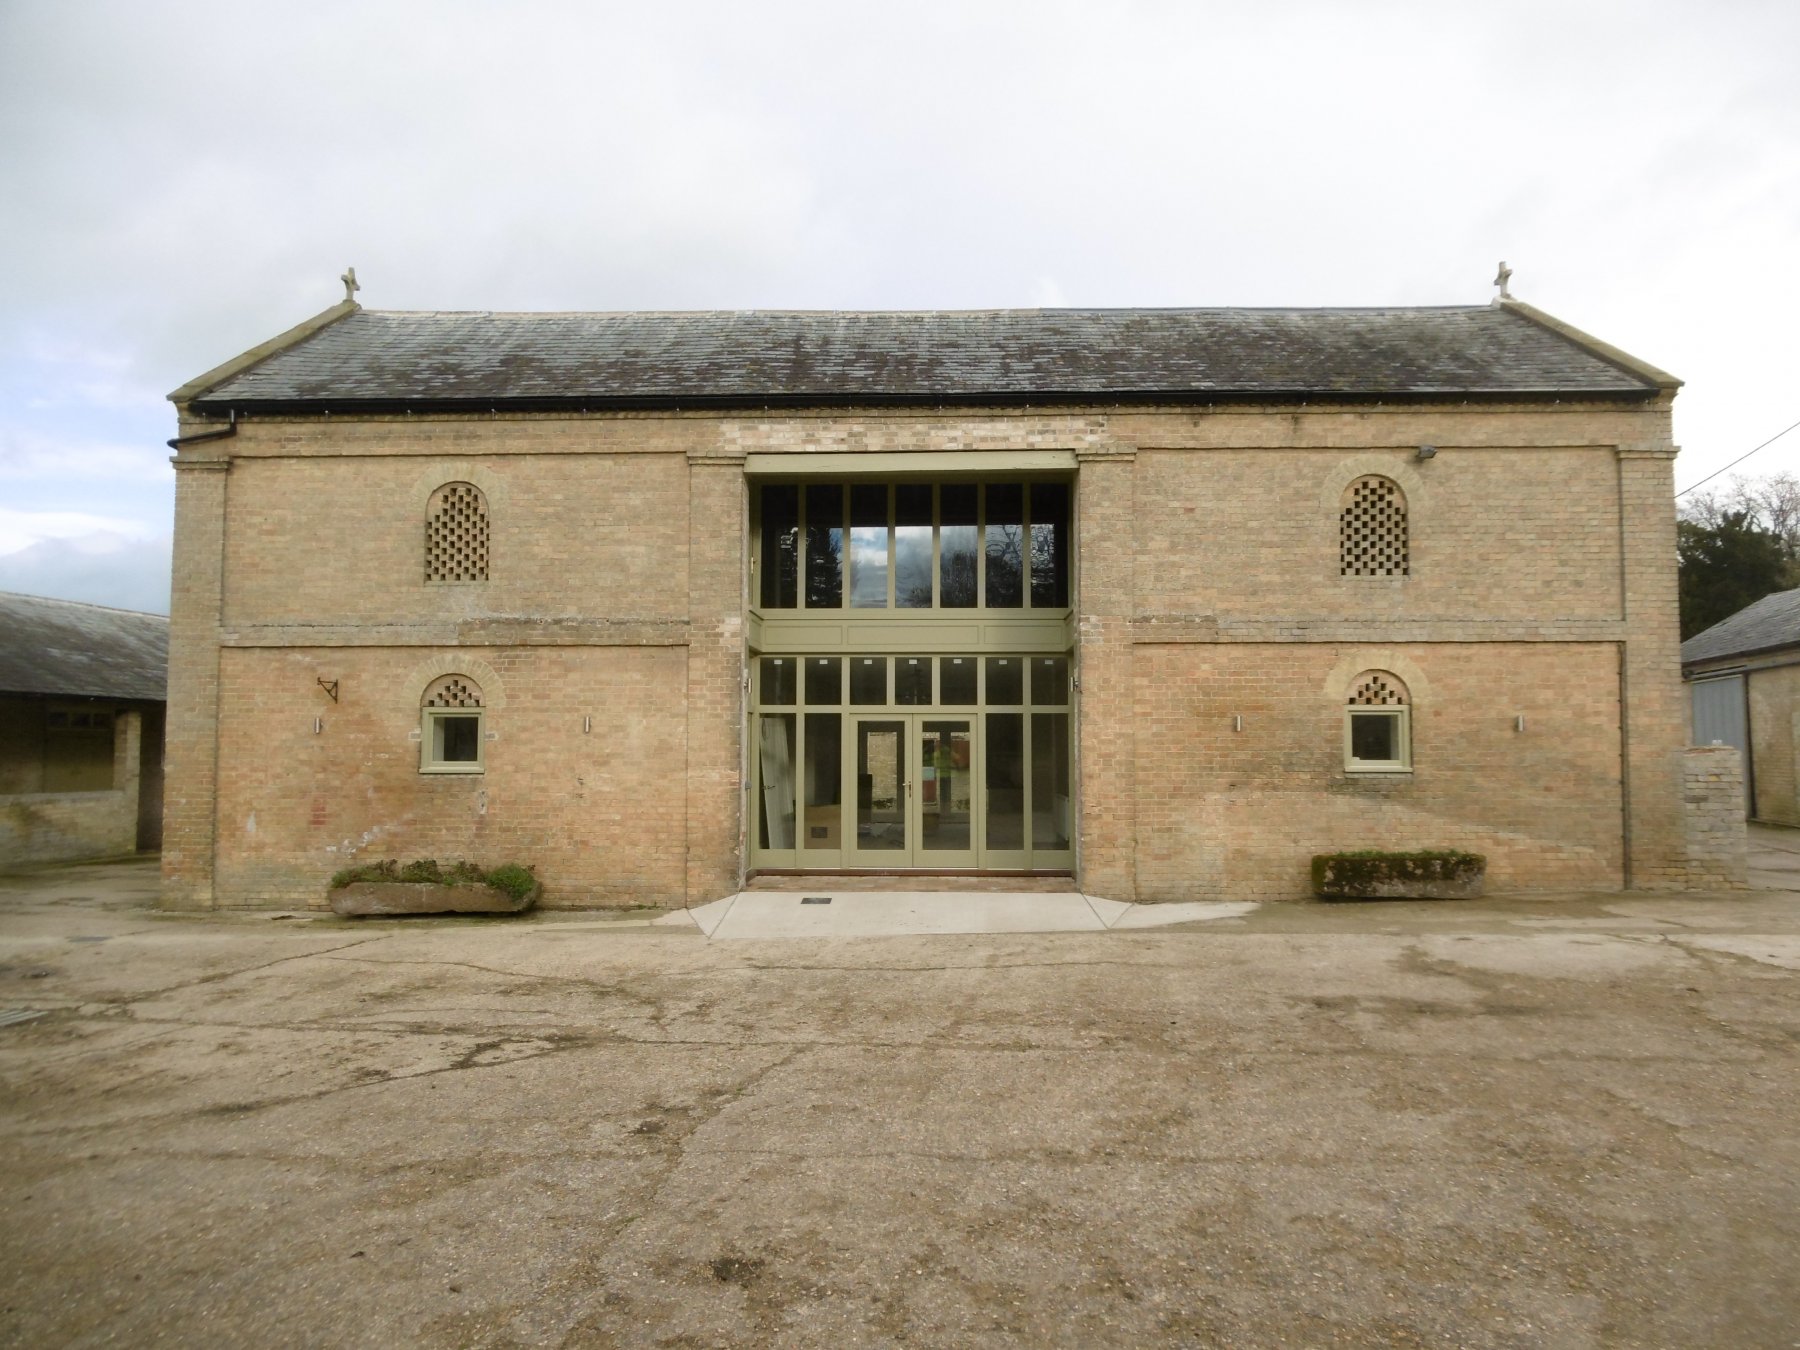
[1378, 689]
[1372, 530]
[453, 691]
[456, 534]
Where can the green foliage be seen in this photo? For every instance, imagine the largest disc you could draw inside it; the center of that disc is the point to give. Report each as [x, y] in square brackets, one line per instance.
[516, 881]
[511, 878]
[1727, 565]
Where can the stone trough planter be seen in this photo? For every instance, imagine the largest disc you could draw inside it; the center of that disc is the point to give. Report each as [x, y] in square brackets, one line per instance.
[425, 897]
[430, 887]
[1398, 876]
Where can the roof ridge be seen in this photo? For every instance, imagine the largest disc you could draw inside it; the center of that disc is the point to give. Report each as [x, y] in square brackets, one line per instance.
[903, 313]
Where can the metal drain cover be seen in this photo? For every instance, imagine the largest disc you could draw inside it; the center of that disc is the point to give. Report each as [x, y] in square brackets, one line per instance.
[815, 900]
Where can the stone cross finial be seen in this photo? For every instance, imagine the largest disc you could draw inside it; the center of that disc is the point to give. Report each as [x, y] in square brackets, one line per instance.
[1501, 278]
[350, 284]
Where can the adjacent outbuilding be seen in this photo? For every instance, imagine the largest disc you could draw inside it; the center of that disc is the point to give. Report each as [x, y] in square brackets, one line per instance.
[1743, 677]
[82, 692]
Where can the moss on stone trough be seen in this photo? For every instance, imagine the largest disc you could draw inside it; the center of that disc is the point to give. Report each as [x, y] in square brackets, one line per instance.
[426, 886]
[1375, 875]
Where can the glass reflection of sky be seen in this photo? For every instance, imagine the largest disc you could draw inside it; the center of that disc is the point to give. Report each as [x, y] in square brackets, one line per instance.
[868, 567]
[912, 566]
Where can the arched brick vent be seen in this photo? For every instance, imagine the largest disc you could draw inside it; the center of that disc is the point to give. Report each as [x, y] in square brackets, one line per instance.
[1372, 539]
[452, 691]
[1378, 689]
[456, 534]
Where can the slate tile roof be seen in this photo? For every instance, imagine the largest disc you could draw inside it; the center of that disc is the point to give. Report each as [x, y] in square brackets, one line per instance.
[63, 647]
[376, 357]
[1773, 621]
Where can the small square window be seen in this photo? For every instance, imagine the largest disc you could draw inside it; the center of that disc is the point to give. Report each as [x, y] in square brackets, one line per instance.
[1377, 740]
[451, 741]
[956, 680]
[779, 679]
[868, 681]
[824, 681]
[912, 680]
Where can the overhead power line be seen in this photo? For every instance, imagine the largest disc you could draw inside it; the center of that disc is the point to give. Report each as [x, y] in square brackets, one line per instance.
[1734, 463]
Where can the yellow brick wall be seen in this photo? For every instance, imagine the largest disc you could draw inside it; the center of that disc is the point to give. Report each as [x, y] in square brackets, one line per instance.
[1235, 814]
[1542, 584]
[601, 535]
[600, 813]
[1499, 533]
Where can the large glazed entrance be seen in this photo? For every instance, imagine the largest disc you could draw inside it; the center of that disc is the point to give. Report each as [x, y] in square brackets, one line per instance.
[910, 702]
[853, 767]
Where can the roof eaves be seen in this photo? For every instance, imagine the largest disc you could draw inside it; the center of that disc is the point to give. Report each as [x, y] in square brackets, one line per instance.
[190, 391]
[695, 402]
[1604, 350]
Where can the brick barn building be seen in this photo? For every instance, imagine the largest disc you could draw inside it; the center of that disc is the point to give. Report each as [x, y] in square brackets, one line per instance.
[1166, 599]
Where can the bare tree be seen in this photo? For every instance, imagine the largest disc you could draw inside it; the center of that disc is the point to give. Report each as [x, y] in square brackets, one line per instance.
[1773, 503]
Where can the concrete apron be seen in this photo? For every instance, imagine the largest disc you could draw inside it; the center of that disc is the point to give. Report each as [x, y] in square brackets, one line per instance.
[825, 913]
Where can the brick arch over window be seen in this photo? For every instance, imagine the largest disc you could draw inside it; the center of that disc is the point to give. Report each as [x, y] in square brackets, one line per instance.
[1378, 689]
[1372, 529]
[451, 691]
[1377, 725]
[456, 534]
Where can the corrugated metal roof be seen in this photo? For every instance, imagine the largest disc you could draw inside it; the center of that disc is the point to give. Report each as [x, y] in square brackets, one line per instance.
[1773, 621]
[376, 357]
[64, 647]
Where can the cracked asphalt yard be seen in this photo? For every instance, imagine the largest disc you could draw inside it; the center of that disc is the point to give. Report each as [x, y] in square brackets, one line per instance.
[1549, 1123]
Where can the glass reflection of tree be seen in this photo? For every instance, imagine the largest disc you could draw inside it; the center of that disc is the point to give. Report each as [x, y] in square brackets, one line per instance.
[959, 575]
[824, 581]
[1006, 560]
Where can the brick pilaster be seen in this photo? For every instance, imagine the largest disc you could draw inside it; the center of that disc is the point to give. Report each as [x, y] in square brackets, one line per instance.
[717, 534]
[190, 791]
[1106, 531]
[1654, 722]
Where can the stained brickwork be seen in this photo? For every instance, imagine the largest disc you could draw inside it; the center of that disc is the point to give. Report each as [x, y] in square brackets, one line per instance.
[1774, 697]
[582, 779]
[1712, 796]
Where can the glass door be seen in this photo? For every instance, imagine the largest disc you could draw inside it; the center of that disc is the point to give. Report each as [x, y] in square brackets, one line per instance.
[946, 797]
[880, 836]
[915, 792]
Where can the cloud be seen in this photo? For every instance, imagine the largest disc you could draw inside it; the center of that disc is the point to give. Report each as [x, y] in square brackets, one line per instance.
[36, 456]
[102, 567]
[25, 529]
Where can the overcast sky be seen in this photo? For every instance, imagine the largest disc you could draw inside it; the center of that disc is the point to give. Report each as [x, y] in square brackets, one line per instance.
[181, 180]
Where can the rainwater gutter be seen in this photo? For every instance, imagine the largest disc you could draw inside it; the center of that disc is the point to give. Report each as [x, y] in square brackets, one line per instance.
[178, 442]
